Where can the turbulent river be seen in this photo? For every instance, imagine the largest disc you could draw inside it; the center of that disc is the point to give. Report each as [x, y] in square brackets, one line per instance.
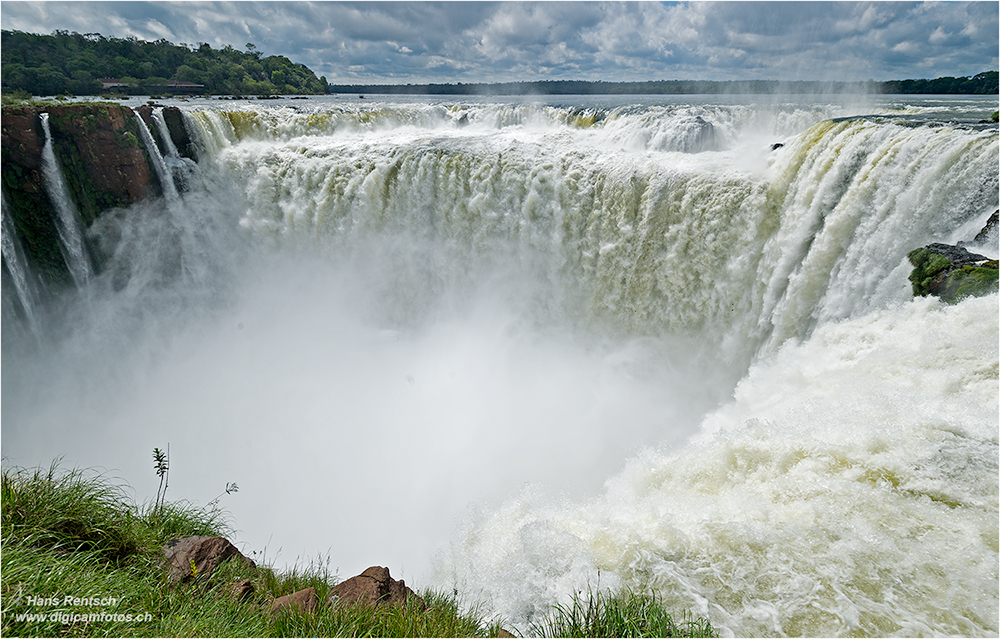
[523, 348]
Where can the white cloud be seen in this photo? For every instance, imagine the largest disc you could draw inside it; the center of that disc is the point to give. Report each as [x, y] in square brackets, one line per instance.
[159, 29]
[476, 41]
[938, 36]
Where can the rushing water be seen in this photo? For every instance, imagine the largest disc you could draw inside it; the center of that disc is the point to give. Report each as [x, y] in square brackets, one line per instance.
[67, 220]
[21, 277]
[523, 348]
[163, 173]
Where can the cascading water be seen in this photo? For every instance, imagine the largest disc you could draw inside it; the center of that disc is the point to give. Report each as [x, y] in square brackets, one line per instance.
[183, 170]
[168, 142]
[67, 220]
[162, 171]
[20, 273]
[589, 344]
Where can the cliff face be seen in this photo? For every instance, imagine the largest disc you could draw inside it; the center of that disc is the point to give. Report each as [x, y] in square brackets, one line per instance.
[102, 158]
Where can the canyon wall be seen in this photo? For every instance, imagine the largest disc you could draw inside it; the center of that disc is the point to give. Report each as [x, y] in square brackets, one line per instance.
[98, 148]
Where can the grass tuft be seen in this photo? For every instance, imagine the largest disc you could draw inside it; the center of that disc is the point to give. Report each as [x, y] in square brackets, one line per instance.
[623, 614]
[78, 534]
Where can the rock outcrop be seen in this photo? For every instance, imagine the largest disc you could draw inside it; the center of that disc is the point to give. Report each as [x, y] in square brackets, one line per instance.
[989, 230]
[175, 126]
[952, 272]
[374, 587]
[198, 556]
[100, 153]
[304, 600]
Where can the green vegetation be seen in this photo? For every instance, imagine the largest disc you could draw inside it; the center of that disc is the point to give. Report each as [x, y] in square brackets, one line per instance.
[984, 83]
[625, 614]
[934, 274]
[71, 63]
[80, 535]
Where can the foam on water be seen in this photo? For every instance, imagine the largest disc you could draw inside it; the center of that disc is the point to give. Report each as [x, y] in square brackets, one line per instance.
[375, 318]
[850, 488]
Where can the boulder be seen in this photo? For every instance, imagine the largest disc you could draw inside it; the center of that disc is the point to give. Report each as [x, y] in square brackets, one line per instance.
[952, 272]
[989, 229]
[198, 556]
[242, 590]
[303, 600]
[374, 587]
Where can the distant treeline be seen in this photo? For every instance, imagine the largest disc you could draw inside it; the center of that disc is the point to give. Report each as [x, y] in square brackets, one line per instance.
[71, 63]
[983, 83]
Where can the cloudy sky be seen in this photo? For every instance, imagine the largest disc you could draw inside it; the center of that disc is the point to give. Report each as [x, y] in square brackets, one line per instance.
[400, 42]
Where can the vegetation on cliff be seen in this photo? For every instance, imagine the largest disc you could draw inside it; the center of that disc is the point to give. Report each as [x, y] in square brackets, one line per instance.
[71, 63]
[79, 536]
[102, 161]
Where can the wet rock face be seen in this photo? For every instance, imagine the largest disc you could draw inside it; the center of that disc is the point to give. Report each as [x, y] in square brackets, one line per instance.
[22, 137]
[22, 141]
[951, 272]
[989, 230]
[179, 133]
[174, 119]
[101, 156]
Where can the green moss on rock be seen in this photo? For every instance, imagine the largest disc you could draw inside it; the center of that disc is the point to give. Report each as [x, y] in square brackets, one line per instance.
[935, 274]
[927, 265]
[975, 281]
[103, 161]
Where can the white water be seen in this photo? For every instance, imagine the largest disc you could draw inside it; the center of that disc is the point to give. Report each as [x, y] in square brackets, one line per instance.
[488, 341]
[68, 222]
[162, 171]
[20, 274]
[161, 126]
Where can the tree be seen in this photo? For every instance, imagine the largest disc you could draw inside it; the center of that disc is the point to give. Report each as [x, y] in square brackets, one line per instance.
[57, 63]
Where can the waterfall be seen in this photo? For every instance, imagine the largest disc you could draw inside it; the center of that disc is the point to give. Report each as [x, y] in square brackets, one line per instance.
[68, 223]
[674, 241]
[161, 125]
[162, 171]
[17, 265]
[574, 344]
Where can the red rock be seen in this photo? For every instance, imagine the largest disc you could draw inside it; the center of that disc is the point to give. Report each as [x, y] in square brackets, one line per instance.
[305, 600]
[198, 556]
[21, 137]
[374, 587]
[111, 154]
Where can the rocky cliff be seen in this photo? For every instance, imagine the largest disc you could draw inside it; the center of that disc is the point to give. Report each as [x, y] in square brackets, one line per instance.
[99, 150]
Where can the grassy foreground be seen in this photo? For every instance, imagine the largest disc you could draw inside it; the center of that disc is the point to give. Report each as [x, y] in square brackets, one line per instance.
[70, 533]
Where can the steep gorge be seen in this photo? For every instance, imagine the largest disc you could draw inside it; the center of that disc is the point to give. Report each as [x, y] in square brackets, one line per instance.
[100, 153]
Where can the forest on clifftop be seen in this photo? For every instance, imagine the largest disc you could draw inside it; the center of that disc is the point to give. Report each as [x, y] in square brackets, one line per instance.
[71, 63]
[66, 63]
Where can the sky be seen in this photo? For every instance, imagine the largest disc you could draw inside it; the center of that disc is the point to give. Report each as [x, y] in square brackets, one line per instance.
[421, 42]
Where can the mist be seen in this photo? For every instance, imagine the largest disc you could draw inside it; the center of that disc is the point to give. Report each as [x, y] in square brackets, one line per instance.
[514, 350]
[362, 398]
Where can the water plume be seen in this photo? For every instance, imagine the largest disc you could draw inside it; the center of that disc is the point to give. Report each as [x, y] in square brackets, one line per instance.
[508, 347]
